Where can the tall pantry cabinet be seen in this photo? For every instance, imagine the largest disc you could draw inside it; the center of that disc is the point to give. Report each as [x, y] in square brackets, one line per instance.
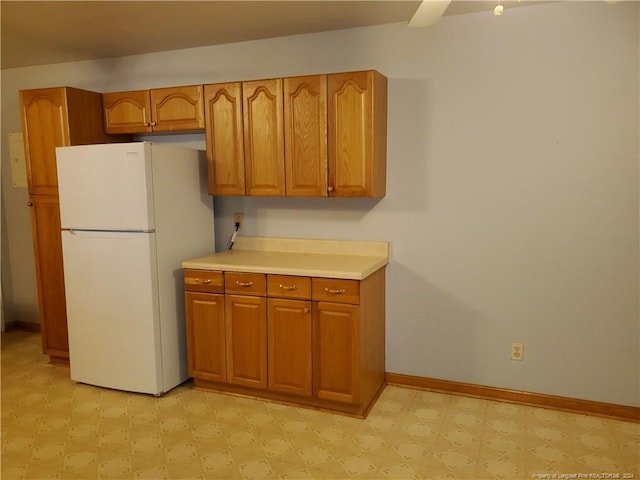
[53, 117]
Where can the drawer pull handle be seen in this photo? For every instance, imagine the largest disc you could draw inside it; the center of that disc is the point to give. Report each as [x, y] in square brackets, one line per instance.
[203, 281]
[335, 291]
[244, 284]
[288, 287]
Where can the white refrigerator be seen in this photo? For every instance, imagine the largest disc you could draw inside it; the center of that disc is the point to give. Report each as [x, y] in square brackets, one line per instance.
[130, 214]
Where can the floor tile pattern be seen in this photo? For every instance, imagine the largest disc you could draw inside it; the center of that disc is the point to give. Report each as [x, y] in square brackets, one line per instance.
[55, 428]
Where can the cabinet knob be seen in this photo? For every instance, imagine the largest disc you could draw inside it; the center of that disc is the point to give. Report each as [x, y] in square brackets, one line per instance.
[153, 124]
[244, 284]
[330, 189]
[306, 309]
[288, 287]
[203, 281]
[29, 204]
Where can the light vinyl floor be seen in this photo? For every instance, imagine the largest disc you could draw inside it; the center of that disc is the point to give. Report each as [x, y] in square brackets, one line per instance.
[55, 428]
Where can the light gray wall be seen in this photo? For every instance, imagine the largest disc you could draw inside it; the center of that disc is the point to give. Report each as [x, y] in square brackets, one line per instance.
[512, 194]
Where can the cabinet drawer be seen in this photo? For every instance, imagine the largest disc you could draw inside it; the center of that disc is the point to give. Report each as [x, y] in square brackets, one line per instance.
[245, 283]
[288, 286]
[335, 290]
[203, 281]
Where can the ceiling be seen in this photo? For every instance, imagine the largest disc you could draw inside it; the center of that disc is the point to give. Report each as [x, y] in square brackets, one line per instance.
[43, 32]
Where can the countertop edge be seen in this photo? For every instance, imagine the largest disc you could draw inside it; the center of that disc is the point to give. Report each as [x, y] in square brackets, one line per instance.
[297, 271]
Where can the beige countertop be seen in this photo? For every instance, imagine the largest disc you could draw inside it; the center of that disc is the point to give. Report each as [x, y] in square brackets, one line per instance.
[303, 257]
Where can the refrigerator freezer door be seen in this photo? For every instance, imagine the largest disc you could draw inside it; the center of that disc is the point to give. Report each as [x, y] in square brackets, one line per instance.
[112, 310]
[106, 187]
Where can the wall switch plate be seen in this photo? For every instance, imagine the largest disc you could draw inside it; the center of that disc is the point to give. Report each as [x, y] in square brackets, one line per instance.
[18, 163]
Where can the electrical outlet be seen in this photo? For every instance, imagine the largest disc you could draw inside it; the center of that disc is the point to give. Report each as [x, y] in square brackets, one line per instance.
[237, 218]
[517, 351]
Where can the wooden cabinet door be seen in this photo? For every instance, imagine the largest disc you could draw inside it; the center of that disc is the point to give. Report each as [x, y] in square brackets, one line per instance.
[336, 356]
[224, 137]
[263, 137]
[290, 350]
[158, 110]
[246, 333]
[357, 122]
[45, 127]
[47, 243]
[127, 112]
[305, 127]
[177, 108]
[56, 117]
[206, 336]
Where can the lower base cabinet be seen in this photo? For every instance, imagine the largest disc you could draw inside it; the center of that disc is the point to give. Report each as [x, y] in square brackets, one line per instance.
[246, 324]
[205, 319]
[316, 342]
[336, 329]
[47, 243]
[290, 347]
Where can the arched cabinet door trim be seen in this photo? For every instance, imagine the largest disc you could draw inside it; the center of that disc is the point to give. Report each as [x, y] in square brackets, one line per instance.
[170, 109]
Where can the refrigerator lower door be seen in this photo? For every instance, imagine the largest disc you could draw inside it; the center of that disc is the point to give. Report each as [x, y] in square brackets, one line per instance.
[112, 310]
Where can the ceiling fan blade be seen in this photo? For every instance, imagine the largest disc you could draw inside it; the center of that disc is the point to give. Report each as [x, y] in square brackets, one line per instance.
[428, 13]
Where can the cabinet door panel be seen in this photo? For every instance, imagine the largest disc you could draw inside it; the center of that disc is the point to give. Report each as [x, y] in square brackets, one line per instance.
[206, 336]
[305, 121]
[224, 137]
[47, 242]
[349, 138]
[357, 123]
[263, 137]
[127, 112]
[45, 127]
[289, 331]
[177, 108]
[335, 360]
[246, 333]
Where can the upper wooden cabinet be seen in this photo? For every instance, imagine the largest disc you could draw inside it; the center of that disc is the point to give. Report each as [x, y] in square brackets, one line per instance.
[157, 110]
[55, 117]
[318, 135]
[127, 112]
[224, 138]
[263, 137]
[305, 127]
[357, 138]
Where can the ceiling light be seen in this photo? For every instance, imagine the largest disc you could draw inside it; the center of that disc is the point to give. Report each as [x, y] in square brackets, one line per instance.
[498, 10]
